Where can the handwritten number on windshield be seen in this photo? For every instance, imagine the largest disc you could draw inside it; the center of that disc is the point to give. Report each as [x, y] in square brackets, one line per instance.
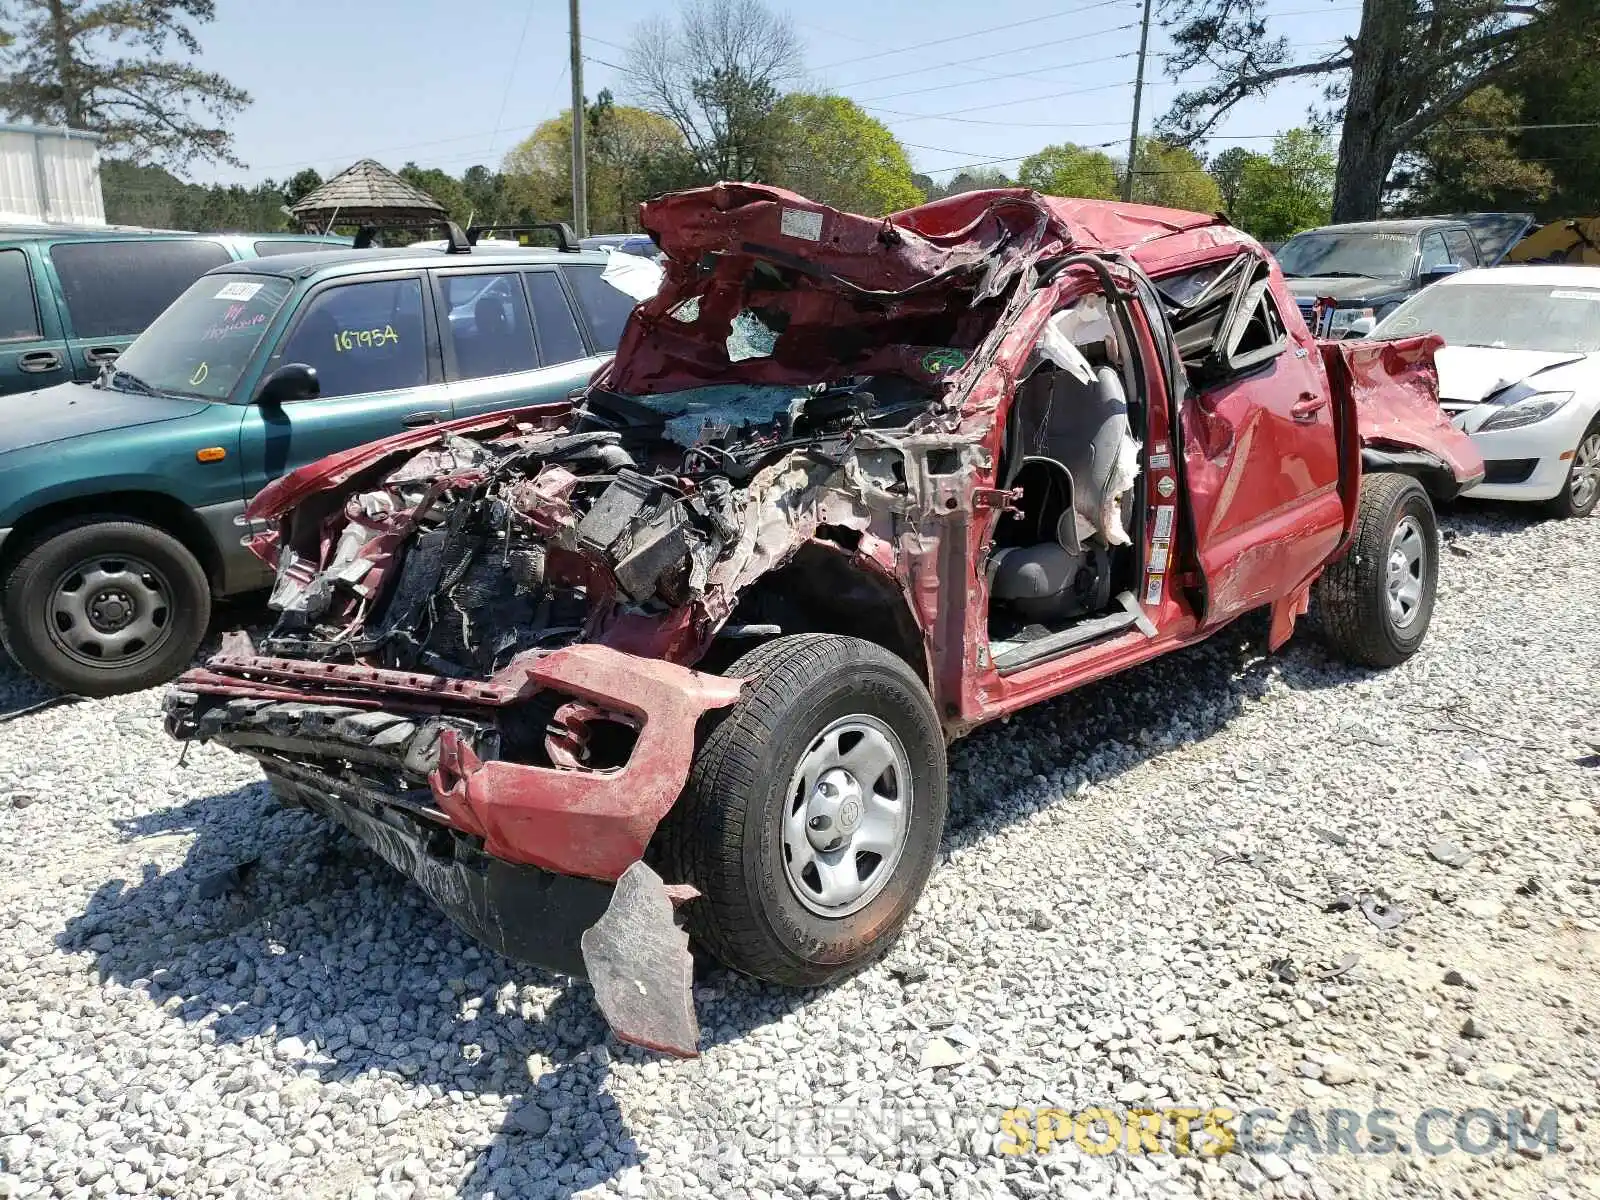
[365, 339]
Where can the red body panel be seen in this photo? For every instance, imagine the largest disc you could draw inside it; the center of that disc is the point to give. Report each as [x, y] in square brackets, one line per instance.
[1394, 387]
[575, 822]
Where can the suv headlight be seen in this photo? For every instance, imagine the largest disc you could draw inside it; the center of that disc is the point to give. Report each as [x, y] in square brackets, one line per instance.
[1351, 320]
[1526, 411]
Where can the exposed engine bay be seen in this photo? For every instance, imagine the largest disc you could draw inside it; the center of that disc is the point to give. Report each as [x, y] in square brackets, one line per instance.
[462, 556]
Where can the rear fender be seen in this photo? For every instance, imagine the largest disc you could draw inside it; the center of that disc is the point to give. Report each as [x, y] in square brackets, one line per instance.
[1388, 393]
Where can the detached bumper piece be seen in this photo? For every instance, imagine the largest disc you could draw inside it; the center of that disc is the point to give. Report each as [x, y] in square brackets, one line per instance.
[377, 774]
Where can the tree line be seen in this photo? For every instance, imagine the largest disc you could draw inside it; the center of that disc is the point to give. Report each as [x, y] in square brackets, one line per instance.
[1436, 105]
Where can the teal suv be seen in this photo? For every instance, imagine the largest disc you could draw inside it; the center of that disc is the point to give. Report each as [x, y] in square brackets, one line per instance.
[121, 500]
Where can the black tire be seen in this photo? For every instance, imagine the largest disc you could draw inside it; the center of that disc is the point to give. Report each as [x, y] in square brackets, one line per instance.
[725, 834]
[169, 588]
[1566, 505]
[1352, 596]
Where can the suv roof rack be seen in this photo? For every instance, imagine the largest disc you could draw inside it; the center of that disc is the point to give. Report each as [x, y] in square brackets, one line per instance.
[566, 240]
[456, 242]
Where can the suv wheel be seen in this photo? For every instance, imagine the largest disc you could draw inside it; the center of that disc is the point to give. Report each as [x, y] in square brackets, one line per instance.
[101, 607]
[813, 812]
[1375, 603]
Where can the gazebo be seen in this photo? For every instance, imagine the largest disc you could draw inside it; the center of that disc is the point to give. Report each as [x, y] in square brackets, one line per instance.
[369, 196]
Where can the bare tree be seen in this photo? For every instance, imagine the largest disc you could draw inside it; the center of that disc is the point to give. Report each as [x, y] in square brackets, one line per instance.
[1410, 65]
[717, 72]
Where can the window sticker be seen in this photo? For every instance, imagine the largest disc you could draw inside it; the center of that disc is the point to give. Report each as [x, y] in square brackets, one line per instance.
[238, 290]
[798, 223]
[1164, 520]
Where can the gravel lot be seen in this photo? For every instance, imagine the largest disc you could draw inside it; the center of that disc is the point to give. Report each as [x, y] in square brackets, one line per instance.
[1131, 909]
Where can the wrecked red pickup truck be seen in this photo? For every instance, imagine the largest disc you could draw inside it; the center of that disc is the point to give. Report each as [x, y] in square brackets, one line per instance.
[850, 488]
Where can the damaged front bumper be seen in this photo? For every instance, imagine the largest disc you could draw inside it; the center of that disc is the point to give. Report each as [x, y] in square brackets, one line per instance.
[540, 862]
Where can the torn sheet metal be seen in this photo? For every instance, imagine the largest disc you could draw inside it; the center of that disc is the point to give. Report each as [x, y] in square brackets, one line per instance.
[1395, 389]
[835, 298]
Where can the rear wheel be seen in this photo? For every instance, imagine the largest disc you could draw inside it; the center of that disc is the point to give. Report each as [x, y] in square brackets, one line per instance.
[102, 607]
[1582, 490]
[813, 812]
[1375, 603]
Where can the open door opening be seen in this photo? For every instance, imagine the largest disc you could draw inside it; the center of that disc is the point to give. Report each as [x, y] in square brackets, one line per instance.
[1065, 568]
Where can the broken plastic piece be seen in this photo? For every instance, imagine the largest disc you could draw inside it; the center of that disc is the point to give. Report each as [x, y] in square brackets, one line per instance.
[638, 960]
[1382, 913]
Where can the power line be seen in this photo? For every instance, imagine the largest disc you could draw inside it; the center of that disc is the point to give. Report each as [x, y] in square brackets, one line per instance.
[962, 64]
[972, 33]
[511, 75]
[1081, 62]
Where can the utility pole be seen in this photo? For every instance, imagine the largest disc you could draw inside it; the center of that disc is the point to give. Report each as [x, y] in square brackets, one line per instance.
[1138, 95]
[580, 188]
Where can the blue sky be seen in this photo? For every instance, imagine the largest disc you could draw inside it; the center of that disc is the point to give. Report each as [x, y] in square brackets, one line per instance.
[450, 85]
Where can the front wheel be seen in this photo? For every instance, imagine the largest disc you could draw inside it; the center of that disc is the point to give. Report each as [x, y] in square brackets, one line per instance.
[1375, 603]
[102, 607]
[1582, 489]
[813, 812]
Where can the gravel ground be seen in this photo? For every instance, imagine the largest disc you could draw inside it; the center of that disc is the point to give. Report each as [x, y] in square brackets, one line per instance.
[1150, 894]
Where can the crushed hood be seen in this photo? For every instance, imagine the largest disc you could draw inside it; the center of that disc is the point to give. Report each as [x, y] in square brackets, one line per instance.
[1474, 374]
[764, 286]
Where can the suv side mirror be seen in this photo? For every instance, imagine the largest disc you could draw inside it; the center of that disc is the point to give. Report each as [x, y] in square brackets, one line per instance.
[1440, 271]
[290, 382]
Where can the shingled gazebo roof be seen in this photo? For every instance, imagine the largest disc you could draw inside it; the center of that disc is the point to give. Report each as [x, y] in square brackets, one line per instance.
[367, 194]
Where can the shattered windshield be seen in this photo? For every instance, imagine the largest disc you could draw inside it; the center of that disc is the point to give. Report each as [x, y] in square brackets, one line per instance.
[1376, 255]
[201, 344]
[1509, 318]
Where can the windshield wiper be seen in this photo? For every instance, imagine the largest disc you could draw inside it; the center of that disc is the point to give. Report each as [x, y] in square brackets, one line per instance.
[135, 384]
[1335, 275]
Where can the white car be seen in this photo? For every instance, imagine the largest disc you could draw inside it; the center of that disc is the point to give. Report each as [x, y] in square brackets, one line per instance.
[1520, 373]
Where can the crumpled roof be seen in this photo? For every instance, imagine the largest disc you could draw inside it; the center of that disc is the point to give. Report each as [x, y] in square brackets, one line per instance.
[1090, 224]
[367, 192]
[861, 289]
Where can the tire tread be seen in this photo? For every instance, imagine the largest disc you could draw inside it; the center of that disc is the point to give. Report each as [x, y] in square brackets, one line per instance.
[1349, 593]
[702, 838]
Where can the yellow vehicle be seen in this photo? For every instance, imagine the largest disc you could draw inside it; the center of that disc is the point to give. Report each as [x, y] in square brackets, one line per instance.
[1572, 241]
